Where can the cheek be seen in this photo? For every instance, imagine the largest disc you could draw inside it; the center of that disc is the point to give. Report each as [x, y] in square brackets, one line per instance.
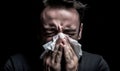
[47, 39]
[74, 37]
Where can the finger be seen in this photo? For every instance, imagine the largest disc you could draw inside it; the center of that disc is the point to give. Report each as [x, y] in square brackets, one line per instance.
[55, 51]
[59, 55]
[57, 44]
[72, 51]
[48, 68]
[59, 40]
[45, 65]
[68, 47]
[74, 56]
[56, 48]
[45, 58]
[65, 42]
[66, 39]
[71, 54]
[48, 61]
[67, 57]
[66, 53]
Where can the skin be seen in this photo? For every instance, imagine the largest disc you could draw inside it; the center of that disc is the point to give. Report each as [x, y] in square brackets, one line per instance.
[57, 20]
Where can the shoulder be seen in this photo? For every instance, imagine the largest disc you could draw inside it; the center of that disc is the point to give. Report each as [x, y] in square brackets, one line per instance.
[16, 62]
[18, 59]
[91, 56]
[93, 62]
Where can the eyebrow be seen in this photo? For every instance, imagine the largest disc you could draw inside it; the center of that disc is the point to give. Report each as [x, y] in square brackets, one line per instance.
[49, 26]
[50, 29]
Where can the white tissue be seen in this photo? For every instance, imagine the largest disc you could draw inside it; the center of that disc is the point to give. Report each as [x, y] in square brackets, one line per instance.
[51, 45]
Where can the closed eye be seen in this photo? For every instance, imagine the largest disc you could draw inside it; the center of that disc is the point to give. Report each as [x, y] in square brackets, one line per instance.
[50, 32]
[70, 32]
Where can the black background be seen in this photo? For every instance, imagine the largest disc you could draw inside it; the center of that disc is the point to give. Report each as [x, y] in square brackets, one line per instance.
[19, 28]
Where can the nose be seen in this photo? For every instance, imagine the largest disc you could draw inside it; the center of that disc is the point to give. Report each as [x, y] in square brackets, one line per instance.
[59, 28]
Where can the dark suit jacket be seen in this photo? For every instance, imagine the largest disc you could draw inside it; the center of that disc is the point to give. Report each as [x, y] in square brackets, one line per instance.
[88, 62]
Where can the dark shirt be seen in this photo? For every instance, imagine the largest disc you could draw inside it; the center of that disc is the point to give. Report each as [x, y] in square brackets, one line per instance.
[88, 62]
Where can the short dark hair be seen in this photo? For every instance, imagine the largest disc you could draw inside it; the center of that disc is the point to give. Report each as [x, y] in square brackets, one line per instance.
[80, 7]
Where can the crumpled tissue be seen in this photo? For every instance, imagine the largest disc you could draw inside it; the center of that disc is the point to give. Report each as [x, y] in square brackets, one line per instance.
[51, 45]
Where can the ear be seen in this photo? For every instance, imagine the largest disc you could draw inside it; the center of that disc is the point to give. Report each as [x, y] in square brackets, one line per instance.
[80, 31]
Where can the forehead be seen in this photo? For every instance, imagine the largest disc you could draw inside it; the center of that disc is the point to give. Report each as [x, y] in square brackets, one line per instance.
[60, 13]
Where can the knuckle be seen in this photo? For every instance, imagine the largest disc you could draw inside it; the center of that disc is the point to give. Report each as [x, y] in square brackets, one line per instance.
[59, 52]
[48, 61]
[55, 51]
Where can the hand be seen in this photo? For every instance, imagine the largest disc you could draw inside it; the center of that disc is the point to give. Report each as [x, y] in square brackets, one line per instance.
[52, 60]
[70, 57]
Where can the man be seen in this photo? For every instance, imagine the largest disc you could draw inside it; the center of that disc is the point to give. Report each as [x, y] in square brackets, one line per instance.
[60, 18]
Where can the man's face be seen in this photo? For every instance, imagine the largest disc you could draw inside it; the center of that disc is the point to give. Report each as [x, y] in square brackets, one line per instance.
[60, 21]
